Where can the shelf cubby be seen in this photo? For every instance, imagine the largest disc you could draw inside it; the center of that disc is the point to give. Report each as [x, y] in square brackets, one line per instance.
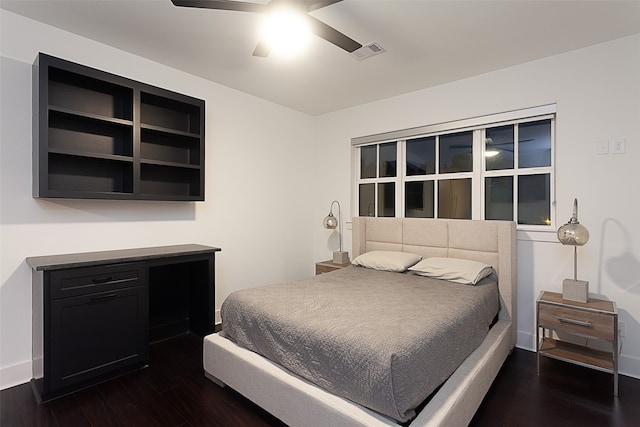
[89, 175]
[89, 95]
[81, 134]
[155, 145]
[169, 182]
[169, 113]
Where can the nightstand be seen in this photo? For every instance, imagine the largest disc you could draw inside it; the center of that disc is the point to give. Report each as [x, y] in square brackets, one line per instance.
[596, 319]
[327, 266]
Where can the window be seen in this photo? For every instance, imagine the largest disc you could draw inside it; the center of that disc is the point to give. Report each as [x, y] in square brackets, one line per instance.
[498, 167]
[378, 176]
[518, 167]
[450, 174]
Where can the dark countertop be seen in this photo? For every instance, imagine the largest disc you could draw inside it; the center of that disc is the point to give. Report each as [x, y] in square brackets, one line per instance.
[86, 259]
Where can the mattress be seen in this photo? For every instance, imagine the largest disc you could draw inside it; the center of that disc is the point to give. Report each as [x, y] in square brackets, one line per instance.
[383, 340]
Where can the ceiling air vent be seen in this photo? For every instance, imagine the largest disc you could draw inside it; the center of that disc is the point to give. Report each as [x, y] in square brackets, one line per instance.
[367, 51]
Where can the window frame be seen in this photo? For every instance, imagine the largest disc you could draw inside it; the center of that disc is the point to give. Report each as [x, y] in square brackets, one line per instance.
[478, 127]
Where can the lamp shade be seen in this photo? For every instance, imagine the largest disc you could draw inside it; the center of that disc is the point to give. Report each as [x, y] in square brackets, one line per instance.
[573, 233]
[330, 221]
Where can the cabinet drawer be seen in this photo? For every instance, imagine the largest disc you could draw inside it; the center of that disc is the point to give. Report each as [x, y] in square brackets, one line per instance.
[593, 324]
[82, 281]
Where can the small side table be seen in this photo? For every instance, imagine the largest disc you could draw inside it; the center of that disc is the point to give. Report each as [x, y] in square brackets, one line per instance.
[596, 318]
[327, 266]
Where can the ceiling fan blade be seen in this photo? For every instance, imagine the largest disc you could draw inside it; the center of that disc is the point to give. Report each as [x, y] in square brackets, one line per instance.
[262, 49]
[317, 4]
[221, 5]
[332, 35]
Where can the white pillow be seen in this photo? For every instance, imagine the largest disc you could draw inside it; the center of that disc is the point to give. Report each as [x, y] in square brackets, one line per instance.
[456, 270]
[387, 260]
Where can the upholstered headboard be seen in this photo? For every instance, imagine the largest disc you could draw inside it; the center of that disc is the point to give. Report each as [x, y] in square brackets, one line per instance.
[492, 242]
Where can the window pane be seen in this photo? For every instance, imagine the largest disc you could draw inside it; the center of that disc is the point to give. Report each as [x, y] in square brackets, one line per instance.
[534, 201]
[387, 199]
[388, 162]
[498, 195]
[418, 198]
[368, 157]
[534, 144]
[367, 200]
[456, 152]
[454, 198]
[421, 156]
[499, 148]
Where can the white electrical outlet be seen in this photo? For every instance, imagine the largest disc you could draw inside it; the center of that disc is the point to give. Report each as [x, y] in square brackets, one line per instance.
[618, 146]
[621, 329]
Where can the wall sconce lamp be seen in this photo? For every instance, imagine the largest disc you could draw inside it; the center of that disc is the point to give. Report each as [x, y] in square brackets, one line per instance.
[575, 234]
[331, 222]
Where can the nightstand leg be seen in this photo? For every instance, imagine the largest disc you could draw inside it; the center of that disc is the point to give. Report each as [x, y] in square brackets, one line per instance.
[538, 342]
[615, 360]
[537, 354]
[614, 352]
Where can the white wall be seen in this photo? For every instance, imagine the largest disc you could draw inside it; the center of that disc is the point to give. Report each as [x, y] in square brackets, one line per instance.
[597, 91]
[254, 210]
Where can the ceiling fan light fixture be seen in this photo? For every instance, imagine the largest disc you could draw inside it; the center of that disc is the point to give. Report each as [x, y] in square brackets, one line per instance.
[286, 31]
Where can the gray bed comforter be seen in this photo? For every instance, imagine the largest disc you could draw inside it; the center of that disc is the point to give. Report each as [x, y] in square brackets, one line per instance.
[383, 340]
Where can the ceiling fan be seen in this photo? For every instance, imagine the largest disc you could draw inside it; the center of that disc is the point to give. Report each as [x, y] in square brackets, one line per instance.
[317, 27]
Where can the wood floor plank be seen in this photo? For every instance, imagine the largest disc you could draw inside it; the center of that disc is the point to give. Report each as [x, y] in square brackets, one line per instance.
[68, 412]
[173, 392]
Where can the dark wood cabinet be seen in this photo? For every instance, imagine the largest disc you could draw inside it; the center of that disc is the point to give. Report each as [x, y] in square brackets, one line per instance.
[94, 314]
[98, 135]
[97, 333]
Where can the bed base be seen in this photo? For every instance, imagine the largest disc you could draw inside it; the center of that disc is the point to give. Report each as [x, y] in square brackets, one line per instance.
[297, 402]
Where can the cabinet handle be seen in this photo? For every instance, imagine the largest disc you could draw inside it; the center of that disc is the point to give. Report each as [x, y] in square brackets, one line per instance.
[101, 297]
[574, 322]
[99, 280]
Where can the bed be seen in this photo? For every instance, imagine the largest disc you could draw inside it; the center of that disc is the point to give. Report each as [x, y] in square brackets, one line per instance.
[298, 402]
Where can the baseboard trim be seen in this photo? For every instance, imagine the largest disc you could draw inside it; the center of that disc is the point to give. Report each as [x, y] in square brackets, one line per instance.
[11, 376]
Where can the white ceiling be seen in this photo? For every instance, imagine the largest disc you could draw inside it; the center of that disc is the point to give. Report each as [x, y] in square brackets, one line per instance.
[427, 42]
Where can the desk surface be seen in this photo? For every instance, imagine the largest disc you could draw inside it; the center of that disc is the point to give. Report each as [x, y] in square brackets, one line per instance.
[87, 259]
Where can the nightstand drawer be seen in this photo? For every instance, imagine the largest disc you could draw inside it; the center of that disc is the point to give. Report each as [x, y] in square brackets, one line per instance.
[328, 266]
[577, 321]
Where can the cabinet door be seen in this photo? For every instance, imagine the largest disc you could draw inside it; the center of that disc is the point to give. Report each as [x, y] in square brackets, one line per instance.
[95, 335]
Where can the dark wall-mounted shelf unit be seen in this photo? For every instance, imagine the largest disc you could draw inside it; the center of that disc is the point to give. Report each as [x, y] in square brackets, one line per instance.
[102, 136]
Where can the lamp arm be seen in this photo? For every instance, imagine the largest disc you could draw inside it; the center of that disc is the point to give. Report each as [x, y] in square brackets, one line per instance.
[339, 221]
[574, 217]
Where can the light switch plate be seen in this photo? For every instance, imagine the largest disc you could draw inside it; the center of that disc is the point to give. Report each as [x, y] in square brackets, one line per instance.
[602, 147]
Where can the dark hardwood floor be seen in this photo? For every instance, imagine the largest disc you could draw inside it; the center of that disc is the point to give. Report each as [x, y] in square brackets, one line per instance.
[173, 391]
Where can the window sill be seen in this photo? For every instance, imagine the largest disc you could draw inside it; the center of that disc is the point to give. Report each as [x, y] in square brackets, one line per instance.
[538, 235]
